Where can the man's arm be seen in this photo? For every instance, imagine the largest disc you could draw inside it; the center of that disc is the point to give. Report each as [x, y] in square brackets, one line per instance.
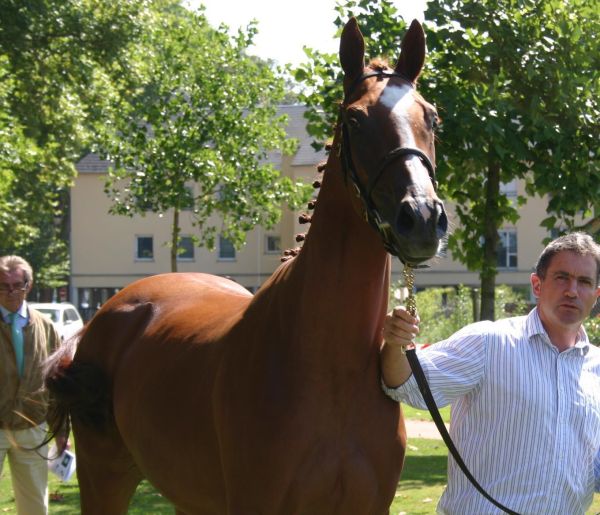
[399, 331]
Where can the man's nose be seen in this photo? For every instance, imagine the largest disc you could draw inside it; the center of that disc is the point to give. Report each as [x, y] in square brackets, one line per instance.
[572, 288]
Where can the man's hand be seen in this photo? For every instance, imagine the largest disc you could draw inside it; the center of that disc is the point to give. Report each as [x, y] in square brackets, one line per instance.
[62, 443]
[399, 331]
[400, 328]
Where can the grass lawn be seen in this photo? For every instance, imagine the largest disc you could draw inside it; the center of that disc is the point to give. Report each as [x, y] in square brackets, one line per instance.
[145, 502]
[422, 484]
[419, 414]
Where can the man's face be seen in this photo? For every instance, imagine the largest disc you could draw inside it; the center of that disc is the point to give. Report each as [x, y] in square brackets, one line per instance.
[13, 289]
[567, 293]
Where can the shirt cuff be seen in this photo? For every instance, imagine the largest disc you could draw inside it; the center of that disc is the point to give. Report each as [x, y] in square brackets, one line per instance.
[401, 393]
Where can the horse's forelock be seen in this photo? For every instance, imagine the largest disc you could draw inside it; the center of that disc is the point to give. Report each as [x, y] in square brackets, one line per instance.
[379, 64]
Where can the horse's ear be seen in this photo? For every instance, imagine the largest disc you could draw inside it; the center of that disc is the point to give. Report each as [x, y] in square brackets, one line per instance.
[352, 50]
[412, 52]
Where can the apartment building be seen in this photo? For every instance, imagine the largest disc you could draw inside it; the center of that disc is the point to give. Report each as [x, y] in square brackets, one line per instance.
[108, 251]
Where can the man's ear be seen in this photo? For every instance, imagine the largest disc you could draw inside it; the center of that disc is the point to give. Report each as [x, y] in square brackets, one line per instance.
[536, 284]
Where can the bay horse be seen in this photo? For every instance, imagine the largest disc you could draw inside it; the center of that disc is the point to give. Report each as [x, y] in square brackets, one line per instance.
[236, 404]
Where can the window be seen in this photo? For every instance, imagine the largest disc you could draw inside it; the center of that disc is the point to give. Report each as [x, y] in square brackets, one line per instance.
[144, 248]
[144, 203]
[273, 244]
[509, 188]
[185, 251]
[226, 249]
[188, 199]
[71, 316]
[507, 249]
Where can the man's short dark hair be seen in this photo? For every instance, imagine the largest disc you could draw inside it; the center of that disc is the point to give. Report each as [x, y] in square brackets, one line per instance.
[577, 242]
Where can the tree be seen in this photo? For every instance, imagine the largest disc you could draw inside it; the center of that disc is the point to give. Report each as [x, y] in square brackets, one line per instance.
[516, 82]
[62, 63]
[207, 117]
[449, 309]
[517, 89]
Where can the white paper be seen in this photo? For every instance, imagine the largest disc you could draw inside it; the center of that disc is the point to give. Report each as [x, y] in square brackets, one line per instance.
[63, 466]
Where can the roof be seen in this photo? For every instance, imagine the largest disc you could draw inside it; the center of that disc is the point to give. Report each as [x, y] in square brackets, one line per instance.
[306, 154]
[91, 163]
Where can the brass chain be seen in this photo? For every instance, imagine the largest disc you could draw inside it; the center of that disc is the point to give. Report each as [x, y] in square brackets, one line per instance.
[411, 301]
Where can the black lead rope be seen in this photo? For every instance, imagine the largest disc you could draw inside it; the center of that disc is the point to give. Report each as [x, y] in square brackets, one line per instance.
[417, 371]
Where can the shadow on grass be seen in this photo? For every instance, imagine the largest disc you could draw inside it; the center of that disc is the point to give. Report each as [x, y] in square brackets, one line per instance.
[426, 470]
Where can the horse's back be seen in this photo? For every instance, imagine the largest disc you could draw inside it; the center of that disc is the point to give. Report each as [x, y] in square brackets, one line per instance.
[177, 305]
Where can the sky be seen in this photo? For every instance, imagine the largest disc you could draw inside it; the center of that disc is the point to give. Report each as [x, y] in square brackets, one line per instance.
[285, 26]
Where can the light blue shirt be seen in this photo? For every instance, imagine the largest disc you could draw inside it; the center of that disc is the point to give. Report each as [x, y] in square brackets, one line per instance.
[22, 312]
[525, 418]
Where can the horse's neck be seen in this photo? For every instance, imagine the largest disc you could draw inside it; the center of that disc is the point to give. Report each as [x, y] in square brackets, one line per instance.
[339, 281]
[339, 239]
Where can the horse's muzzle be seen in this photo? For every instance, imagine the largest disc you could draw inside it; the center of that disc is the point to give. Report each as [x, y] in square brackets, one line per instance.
[420, 226]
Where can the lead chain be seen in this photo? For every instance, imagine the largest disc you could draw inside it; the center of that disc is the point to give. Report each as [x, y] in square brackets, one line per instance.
[411, 301]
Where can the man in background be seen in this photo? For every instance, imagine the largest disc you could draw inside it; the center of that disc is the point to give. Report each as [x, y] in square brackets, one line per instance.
[26, 338]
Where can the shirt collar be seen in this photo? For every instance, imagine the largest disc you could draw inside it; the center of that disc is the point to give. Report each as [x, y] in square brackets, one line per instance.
[535, 327]
[22, 311]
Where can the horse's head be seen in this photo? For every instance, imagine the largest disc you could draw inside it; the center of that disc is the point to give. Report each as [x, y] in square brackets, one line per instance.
[388, 145]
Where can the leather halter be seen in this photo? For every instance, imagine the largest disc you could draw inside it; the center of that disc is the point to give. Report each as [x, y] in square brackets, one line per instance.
[371, 213]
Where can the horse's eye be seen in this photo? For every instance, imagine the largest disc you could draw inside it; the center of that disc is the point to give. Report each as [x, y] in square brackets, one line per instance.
[435, 122]
[353, 123]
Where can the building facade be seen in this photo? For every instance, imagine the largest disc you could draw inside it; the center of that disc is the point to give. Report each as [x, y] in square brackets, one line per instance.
[109, 251]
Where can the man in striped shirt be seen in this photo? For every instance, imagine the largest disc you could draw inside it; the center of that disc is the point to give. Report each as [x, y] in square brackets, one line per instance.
[525, 392]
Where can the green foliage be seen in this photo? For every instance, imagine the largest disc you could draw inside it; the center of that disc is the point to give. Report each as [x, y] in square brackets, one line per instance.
[592, 328]
[205, 117]
[321, 75]
[516, 84]
[71, 70]
[62, 63]
[443, 311]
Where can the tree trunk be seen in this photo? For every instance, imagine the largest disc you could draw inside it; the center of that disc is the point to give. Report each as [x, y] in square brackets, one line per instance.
[490, 238]
[174, 240]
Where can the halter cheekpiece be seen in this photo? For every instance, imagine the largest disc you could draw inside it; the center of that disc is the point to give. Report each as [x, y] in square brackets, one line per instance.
[372, 214]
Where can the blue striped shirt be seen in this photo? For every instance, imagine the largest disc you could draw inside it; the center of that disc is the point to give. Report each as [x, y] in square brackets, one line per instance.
[524, 417]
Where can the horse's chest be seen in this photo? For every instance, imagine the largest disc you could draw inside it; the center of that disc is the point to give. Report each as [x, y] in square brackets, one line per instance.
[327, 479]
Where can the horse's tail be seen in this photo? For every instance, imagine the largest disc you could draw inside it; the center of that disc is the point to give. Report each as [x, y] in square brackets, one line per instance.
[77, 390]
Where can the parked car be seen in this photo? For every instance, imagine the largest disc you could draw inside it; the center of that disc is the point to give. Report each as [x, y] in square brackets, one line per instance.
[65, 317]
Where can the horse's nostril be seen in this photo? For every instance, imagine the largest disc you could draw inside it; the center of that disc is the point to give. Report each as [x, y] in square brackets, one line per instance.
[442, 220]
[405, 221]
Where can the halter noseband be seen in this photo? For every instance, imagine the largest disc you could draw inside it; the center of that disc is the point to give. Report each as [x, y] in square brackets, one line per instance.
[371, 212]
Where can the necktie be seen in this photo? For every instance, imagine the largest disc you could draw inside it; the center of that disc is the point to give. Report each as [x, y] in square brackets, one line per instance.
[17, 339]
